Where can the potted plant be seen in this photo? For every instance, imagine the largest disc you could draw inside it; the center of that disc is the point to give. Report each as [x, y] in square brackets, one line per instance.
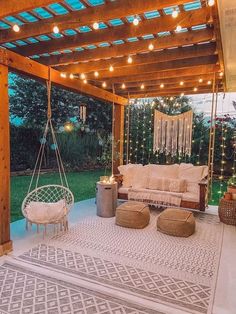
[232, 187]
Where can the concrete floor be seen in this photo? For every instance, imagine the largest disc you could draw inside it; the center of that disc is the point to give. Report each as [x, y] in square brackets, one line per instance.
[225, 296]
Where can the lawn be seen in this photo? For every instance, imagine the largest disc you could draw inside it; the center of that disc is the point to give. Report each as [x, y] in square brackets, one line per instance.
[82, 184]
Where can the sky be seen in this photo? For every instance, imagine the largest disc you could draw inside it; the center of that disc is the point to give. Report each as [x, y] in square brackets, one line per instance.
[204, 102]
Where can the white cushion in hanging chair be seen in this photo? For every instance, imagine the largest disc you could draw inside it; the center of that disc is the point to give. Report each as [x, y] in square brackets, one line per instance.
[42, 212]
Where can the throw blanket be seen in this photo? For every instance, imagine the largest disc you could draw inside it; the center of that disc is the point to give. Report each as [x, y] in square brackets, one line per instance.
[157, 197]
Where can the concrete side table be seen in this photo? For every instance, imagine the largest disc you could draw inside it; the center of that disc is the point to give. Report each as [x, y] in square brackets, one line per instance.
[106, 199]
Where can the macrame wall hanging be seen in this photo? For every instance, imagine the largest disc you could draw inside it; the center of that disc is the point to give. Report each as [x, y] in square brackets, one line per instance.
[173, 134]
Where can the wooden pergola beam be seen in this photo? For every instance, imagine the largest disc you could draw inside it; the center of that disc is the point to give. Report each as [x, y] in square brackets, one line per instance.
[13, 7]
[187, 19]
[156, 67]
[146, 58]
[168, 81]
[109, 11]
[39, 71]
[5, 242]
[175, 40]
[174, 73]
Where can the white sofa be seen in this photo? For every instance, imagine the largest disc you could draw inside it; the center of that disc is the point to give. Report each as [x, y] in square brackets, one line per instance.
[181, 185]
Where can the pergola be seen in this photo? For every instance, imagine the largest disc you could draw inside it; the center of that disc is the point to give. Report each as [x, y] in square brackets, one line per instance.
[112, 50]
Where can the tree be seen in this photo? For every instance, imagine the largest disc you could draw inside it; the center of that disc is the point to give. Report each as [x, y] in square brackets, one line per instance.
[28, 101]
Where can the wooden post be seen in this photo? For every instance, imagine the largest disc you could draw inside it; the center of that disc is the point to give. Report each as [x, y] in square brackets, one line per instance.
[118, 133]
[5, 242]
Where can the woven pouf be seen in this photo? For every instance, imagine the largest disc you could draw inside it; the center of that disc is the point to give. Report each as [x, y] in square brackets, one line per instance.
[133, 215]
[176, 222]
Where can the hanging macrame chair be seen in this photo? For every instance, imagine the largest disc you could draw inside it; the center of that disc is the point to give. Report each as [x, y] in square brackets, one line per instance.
[48, 204]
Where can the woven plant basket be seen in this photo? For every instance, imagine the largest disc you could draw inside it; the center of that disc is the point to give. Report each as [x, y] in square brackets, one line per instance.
[227, 211]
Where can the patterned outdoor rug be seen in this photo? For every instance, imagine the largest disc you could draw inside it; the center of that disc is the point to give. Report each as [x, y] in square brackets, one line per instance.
[177, 272]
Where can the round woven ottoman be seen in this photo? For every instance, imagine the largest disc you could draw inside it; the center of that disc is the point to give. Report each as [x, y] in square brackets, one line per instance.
[176, 222]
[133, 215]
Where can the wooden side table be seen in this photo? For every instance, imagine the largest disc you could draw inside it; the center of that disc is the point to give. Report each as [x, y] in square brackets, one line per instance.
[106, 199]
[227, 211]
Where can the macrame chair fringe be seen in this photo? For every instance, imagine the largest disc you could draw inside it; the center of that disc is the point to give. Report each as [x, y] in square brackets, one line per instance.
[173, 134]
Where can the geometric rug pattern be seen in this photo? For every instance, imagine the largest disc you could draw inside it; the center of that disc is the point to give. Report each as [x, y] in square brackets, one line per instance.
[178, 272]
[22, 291]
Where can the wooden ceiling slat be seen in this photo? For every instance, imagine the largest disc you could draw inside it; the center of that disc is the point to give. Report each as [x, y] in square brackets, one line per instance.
[34, 69]
[190, 18]
[109, 11]
[13, 7]
[155, 67]
[147, 58]
[173, 73]
[126, 49]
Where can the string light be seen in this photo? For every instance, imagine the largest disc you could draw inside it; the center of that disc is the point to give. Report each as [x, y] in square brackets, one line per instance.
[104, 84]
[142, 86]
[182, 94]
[178, 28]
[221, 74]
[195, 89]
[56, 30]
[211, 3]
[71, 76]
[200, 80]
[175, 13]
[136, 21]
[96, 74]
[16, 28]
[162, 85]
[151, 47]
[111, 69]
[82, 76]
[85, 81]
[63, 75]
[181, 83]
[209, 83]
[130, 60]
[123, 86]
[95, 25]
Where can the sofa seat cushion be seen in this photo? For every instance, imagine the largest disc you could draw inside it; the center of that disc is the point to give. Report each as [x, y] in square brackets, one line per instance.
[176, 222]
[155, 197]
[190, 197]
[167, 184]
[133, 215]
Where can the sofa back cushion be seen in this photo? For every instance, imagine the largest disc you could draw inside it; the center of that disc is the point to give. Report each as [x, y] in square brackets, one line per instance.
[164, 171]
[140, 177]
[167, 184]
[128, 172]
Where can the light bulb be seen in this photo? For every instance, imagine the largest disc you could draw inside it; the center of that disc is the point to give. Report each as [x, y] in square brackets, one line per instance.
[221, 74]
[96, 74]
[171, 98]
[209, 83]
[211, 3]
[82, 76]
[85, 81]
[111, 69]
[63, 75]
[150, 47]
[181, 83]
[142, 86]
[182, 94]
[130, 60]
[162, 85]
[178, 28]
[56, 30]
[16, 28]
[195, 89]
[71, 76]
[95, 25]
[200, 80]
[175, 13]
[135, 21]
[123, 86]
[104, 84]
